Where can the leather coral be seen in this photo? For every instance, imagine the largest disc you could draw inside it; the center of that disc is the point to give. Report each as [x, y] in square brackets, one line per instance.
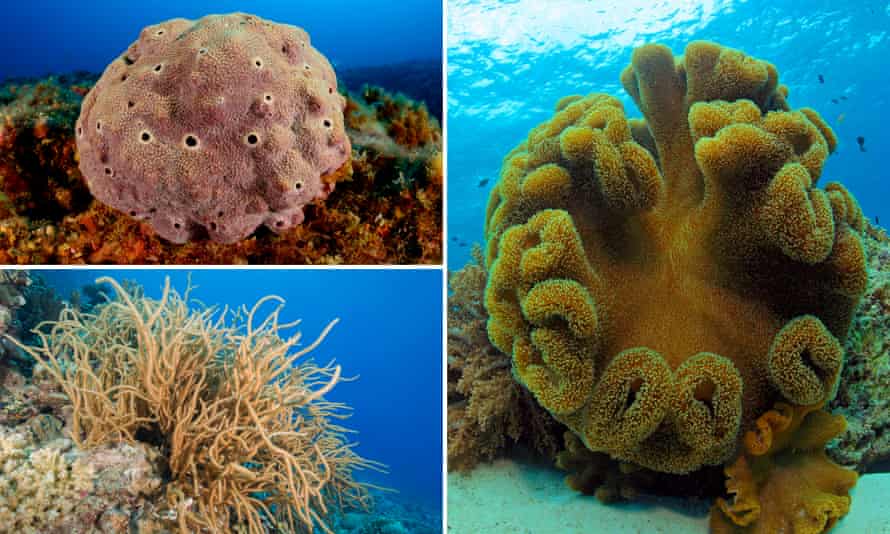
[660, 284]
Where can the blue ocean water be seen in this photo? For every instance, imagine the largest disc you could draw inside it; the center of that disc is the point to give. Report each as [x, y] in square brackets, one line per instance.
[389, 336]
[509, 62]
[57, 36]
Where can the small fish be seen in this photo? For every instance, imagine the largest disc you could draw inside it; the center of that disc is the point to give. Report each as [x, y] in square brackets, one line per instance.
[877, 221]
[821, 79]
[840, 118]
[483, 182]
[861, 141]
[843, 97]
[834, 100]
[462, 244]
[454, 238]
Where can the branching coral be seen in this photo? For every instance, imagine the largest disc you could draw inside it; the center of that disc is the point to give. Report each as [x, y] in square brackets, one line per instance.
[660, 284]
[488, 411]
[248, 436]
[48, 487]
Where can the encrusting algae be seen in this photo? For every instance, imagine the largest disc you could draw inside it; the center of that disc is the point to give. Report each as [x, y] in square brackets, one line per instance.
[386, 206]
[666, 286]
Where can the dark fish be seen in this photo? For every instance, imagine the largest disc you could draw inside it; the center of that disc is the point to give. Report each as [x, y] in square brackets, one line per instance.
[462, 244]
[454, 238]
[877, 221]
[834, 100]
[483, 182]
[843, 97]
[821, 79]
[861, 141]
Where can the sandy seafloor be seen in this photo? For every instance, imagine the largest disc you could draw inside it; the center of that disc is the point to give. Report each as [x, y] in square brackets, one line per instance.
[512, 497]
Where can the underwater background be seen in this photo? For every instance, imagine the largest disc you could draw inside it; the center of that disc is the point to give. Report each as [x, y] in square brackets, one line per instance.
[58, 36]
[510, 62]
[396, 356]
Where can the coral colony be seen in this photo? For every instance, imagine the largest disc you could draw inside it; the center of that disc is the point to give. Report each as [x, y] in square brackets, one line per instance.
[176, 419]
[676, 290]
[163, 135]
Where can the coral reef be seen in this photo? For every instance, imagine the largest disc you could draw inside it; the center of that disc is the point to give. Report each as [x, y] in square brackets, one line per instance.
[489, 413]
[165, 134]
[596, 473]
[783, 481]
[42, 304]
[48, 486]
[419, 80]
[391, 515]
[38, 164]
[240, 425]
[12, 288]
[13, 285]
[863, 397]
[386, 208]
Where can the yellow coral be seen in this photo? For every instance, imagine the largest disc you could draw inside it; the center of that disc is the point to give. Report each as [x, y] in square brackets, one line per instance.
[236, 413]
[39, 486]
[660, 284]
[783, 481]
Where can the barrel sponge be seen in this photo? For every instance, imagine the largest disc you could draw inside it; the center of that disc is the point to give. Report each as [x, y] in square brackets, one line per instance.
[782, 480]
[211, 128]
[661, 283]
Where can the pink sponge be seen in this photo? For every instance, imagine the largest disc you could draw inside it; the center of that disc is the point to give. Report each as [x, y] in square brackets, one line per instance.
[213, 127]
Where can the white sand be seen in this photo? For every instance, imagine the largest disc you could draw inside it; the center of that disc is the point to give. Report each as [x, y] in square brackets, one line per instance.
[512, 498]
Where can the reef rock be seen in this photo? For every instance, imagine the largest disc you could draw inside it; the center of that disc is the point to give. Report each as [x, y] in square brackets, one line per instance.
[214, 127]
[863, 396]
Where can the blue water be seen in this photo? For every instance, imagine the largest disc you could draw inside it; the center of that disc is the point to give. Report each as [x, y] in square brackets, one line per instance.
[509, 63]
[52, 36]
[389, 335]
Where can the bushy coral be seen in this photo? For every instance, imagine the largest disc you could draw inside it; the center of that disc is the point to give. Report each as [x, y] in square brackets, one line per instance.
[388, 210]
[244, 431]
[661, 284]
[214, 127]
[489, 413]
